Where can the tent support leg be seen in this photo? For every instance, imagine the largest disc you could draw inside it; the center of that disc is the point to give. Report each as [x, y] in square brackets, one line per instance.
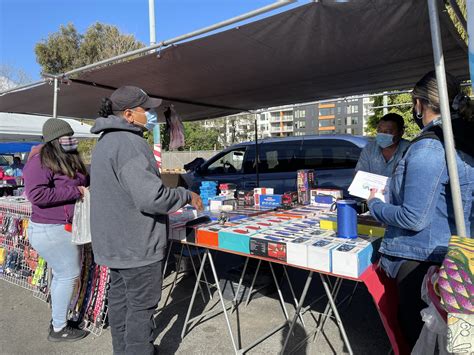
[446, 117]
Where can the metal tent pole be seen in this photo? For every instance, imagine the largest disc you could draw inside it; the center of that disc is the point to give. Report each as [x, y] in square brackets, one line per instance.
[55, 98]
[151, 14]
[446, 118]
[256, 151]
[216, 26]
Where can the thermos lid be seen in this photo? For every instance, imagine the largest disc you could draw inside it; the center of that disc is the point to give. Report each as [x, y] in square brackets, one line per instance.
[346, 202]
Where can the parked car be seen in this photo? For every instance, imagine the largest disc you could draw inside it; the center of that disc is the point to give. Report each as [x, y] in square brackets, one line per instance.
[333, 157]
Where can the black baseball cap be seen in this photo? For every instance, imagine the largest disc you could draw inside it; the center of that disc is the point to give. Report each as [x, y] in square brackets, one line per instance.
[127, 97]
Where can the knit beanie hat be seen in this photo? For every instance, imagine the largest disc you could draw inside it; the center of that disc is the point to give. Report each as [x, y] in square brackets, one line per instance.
[55, 128]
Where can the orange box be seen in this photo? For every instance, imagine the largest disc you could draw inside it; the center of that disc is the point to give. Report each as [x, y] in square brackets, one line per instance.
[208, 235]
[288, 215]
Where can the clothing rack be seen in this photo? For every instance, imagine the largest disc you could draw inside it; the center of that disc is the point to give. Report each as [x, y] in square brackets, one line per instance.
[21, 265]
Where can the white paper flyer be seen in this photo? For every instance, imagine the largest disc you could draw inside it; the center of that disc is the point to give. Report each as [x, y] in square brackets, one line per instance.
[364, 181]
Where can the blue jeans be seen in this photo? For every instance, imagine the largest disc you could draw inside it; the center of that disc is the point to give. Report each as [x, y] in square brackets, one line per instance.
[53, 244]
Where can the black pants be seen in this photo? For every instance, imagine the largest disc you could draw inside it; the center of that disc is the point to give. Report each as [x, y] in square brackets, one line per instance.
[409, 280]
[133, 297]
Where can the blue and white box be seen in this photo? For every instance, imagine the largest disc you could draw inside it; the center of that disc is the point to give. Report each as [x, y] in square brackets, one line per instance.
[270, 200]
[353, 257]
[320, 253]
[297, 251]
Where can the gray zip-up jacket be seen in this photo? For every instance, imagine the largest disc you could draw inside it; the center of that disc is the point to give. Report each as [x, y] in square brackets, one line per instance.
[129, 203]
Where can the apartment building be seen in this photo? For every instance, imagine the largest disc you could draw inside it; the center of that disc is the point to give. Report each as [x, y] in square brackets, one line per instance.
[344, 116]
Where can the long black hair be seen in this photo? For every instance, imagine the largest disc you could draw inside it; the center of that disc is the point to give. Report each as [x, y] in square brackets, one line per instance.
[54, 157]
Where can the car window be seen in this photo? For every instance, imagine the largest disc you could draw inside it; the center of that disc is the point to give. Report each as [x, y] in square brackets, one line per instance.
[4, 161]
[275, 157]
[226, 163]
[328, 154]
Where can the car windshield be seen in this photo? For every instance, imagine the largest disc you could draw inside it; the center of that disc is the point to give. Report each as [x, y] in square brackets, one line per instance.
[4, 161]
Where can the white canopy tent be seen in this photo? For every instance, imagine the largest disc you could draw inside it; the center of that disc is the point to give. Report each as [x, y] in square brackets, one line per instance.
[16, 127]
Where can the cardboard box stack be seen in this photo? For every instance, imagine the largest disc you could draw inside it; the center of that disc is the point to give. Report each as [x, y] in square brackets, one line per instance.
[207, 190]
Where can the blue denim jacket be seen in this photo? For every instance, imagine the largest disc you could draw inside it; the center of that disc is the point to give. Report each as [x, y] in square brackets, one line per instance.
[420, 217]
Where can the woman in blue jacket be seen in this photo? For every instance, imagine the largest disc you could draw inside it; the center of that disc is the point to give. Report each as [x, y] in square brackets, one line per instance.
[420, 217]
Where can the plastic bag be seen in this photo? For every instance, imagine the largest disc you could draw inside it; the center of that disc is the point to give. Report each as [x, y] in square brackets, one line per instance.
[81, 227]
[434, 332]
[433, 336]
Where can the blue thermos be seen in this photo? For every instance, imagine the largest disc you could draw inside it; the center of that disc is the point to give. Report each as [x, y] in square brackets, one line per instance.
[346, 219]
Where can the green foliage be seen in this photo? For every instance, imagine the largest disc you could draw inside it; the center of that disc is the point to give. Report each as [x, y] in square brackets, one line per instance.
[86, 146]
[196, 137]
[199, 138]
[411, 129]
[67, 49]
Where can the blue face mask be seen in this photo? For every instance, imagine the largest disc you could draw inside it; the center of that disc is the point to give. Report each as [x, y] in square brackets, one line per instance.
[384, 140]
[151, 119]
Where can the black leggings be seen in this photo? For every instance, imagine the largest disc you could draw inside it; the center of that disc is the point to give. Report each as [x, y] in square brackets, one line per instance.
[409, 281]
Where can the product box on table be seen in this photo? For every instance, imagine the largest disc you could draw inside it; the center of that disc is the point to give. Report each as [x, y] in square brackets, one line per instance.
[289, 214]
[177, 231]
[270, 200]
[325, 197]
[220, 203]
[209, 233]
[297, 251]
[257, 192]
[354, 256]
[320, 233]
[192, 227]
[320, 253]
[364, 226]
[237, 238]
[289, 199]
[305, 181]
[245, 198]
[289, 228]
[269, 246]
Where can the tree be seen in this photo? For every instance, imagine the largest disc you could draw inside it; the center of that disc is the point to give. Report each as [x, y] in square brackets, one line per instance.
[404, 109]
[11, 77]
[67, 49]
[199, 138]
[59, 53]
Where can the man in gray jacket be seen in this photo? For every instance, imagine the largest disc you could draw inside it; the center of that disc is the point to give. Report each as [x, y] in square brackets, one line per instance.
[129, 208]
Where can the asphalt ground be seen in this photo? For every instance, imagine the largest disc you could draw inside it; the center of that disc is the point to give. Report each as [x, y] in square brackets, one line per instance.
[24, 321]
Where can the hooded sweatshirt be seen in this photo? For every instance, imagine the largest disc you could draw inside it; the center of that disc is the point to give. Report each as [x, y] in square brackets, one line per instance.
[129, 203]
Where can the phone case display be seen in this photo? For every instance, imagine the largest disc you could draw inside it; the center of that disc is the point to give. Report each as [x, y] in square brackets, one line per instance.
[20, 264]
[293, 236]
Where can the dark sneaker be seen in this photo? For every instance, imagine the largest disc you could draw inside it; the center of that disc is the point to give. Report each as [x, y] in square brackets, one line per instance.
[66, 334]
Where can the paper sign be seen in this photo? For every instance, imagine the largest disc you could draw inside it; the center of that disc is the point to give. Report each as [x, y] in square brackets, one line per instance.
[364, 181]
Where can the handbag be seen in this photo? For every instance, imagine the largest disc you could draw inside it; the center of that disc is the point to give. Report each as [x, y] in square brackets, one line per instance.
[81, 227]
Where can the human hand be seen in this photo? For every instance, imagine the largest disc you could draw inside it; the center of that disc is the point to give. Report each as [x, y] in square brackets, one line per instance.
[196, 201]
[82, 190]
[372, 194]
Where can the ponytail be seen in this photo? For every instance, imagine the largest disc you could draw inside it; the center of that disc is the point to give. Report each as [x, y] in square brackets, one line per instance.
[462, 107]
[106, 108]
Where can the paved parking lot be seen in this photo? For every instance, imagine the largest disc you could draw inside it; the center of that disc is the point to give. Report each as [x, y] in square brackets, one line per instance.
[24, 324]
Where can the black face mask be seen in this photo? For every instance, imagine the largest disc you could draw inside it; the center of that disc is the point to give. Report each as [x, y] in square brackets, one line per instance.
[418, 121]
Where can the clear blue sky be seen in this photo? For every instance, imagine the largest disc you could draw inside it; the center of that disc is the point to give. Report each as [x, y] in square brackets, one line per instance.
[23, 23]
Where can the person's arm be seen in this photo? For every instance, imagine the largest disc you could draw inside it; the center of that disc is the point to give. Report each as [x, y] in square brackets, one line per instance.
[146, 189]
[425, 169]
[363, 164]
[38, 187]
